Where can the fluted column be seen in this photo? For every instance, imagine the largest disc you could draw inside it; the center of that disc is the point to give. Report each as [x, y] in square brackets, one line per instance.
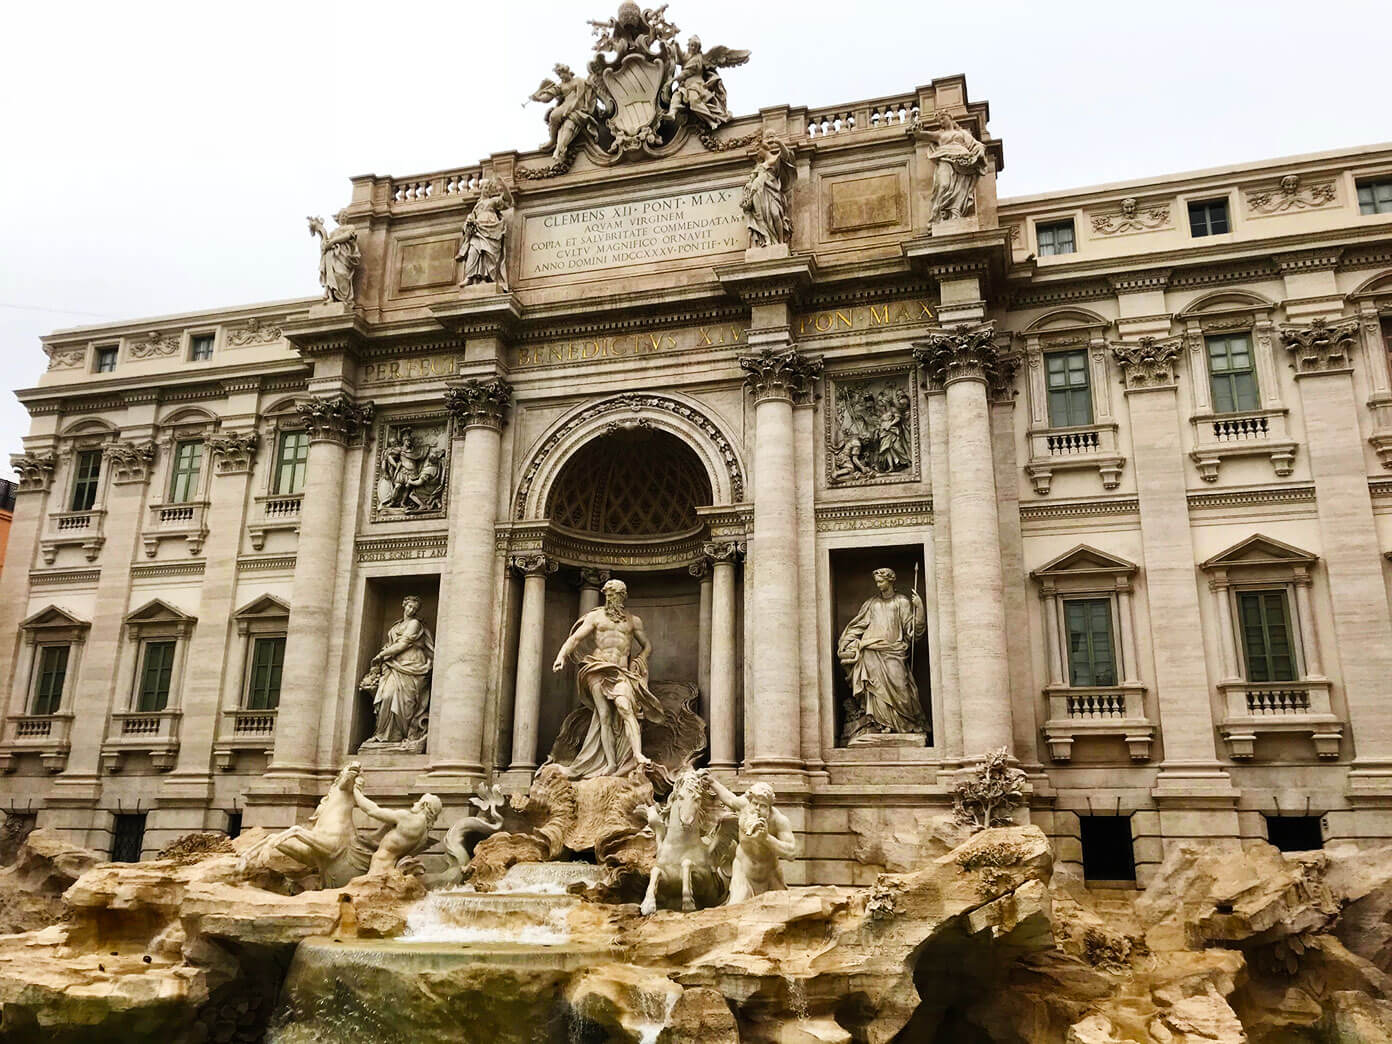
[723, 669]
[964, 361]
[332, 422]
[701, 570]
[531, 653]
[774, 376]
[465, 637]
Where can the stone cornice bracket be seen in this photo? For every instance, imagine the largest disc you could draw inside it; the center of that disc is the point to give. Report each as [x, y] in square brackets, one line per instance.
[966, 353]
[130, 461]
[1136, 282]
[1322, 346]
[35, 470]
[234, 451]
[493, 316]
[723, 550]
[535, 565]
[336, 418]
[779, 373]
[782, 280]
[479, 403]
[1149, 363]
[1321, 259]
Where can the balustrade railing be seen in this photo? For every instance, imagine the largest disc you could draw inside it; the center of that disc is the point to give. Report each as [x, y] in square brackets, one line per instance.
[248, 723]
[876, 115]
[436, 186]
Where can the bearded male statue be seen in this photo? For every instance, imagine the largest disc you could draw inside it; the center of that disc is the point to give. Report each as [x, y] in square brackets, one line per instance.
[612, 683]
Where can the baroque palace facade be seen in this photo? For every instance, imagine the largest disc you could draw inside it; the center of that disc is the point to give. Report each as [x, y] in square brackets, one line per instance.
[1129, 444]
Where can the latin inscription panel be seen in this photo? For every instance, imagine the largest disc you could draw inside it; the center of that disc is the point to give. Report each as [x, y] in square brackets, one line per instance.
[633, 232]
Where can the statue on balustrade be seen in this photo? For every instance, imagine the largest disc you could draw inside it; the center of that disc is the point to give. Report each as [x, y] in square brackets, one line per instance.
[767, 192]
[624, 721]
[875, 649]
[483, 248]
[399, 679]
[959, 161]
[339, 259]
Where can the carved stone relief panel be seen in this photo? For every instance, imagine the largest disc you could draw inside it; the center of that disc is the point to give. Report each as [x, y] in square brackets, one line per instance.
[411, 477]
[871, 427]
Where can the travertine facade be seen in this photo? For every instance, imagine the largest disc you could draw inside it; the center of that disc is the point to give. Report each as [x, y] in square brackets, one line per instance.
[1132, 442]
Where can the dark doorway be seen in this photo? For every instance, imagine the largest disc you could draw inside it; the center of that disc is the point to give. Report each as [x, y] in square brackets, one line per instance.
[1107, 851]
[128, 838]
[234, 824]
[1295, 833]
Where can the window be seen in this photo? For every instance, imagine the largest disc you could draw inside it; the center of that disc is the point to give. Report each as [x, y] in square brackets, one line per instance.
[1265, 621]
[1208, 218]
[1108, 854]
[1375, 197]
[1070, 398]
[87, 473]
[1091, 660]
[1231, 373]
[104, 361]
[1055, 238]
[267, 662]
[128, 838]
[155, 675]
[291, 458]
[201, 347]
[183, 478]
[1295, 833]
[51, 673]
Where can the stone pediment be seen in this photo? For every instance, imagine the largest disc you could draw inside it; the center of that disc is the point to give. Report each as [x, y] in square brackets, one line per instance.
[51, 618]
[1258, 550]
[266, 606]
[159, 611]
[1085, 560]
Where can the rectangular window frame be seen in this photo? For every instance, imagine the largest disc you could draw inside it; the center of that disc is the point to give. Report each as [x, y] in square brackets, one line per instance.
[105, 358]
[1093, 663]
[46, 698]
[185, 470]
[128, 837]
[298, 465]
[1234, 388]
[86, 482]
[1201, 217]
[201, 345]
[1054, 245]
[1073, 400]
[165, 671]
[1291, 624]
[250, 699]
[1374, 195]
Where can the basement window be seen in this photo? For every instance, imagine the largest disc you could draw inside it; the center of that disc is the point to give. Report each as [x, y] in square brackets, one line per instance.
[1107, 851]
[128, 838]
[1295, 833]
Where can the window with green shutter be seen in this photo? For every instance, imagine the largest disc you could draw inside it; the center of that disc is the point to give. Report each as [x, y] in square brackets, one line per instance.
[1070, 397]
[86, 476]
[1266, 635]
[1231, 373]
[51, 674]
[267, 662]
[1091, 659]
[292, 457]
[183, 479]
[156, 674]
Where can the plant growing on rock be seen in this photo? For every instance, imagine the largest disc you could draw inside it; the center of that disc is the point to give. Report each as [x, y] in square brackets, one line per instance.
[989, 797]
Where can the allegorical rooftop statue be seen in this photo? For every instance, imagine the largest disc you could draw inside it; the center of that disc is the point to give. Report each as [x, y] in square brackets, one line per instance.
[483, 248]
[874, 649]
[959, 161]
[767, 192]
[339, 260]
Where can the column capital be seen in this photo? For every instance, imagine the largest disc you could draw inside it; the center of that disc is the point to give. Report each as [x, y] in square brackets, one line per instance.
[594, 577]
[779, 373]
[535, 564]
[1322, 346]
[1149, 363]
[701, 568]
[966, 353]
[35, 470]
[479, 402]
[335, 418]
[234, 451]
[130, 461]
[723, 551]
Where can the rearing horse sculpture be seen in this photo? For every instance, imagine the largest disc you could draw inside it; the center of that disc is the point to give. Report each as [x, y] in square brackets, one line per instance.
[695, 844]
[325, 843]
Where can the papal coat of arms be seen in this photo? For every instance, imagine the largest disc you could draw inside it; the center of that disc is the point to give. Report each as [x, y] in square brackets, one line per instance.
[642, 89]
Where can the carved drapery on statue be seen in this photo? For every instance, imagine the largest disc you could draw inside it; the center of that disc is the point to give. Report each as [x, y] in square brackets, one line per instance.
[339, 260]
[399, 679]
[767, 194]
[874, 649]
[959, 161]
[643, 87]
[483, 249]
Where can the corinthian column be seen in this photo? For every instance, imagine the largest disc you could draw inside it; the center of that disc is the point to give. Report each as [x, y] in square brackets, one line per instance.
[332, 422]
[531, 655]
[723, 557]
[964, 361]
[465, 638]
[774, 376]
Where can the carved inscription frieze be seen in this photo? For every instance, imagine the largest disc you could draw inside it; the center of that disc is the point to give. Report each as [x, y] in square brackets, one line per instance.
[625, 346]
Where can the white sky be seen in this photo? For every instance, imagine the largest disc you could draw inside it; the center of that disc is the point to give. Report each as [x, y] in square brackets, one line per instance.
[162, 157]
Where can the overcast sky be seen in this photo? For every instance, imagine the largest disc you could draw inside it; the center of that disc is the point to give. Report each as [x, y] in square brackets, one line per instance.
[162, 157]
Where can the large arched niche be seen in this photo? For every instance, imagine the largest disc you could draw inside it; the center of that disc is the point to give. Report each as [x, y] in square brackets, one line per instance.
[654, 415]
